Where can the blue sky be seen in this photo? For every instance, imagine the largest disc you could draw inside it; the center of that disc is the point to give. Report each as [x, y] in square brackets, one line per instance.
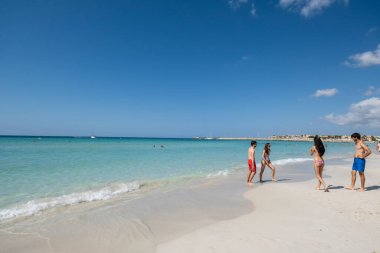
[189, 68]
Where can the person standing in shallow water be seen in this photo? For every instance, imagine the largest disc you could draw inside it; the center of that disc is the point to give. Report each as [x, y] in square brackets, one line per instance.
[251, 162]
[318, 150]
[361, 152]
[265, 161]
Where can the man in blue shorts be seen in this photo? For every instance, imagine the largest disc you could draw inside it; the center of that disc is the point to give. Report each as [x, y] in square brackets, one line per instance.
[361, 152]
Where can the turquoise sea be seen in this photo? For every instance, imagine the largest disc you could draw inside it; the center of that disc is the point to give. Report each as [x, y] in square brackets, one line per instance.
[38, 173]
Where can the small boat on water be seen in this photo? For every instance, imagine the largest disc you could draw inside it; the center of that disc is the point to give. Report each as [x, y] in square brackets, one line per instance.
[93, 137]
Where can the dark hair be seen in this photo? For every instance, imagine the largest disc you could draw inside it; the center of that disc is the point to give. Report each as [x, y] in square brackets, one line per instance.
[319, 145]
[356, 135]
[253, 143]
[267, 148]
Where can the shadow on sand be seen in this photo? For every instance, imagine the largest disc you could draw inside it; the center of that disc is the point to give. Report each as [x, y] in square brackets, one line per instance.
[369, 188]
[278, 180]
[283, 179]
[373, 188]
[331, 187]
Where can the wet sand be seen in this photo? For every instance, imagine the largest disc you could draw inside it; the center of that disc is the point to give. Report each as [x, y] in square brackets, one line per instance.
[137, 223]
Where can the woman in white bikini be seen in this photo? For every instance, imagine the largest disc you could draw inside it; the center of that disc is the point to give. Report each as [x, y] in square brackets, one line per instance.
[318, 150]
[265, 161]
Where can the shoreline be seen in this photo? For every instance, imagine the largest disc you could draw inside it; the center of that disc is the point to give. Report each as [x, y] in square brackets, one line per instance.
[120, 191]
[132, 225]
[140, 223]
[222, 214]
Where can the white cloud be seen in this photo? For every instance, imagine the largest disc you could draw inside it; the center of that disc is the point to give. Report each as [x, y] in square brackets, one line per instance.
[253, 10]
[372, 30]
[245, 58]
[315, 6]
[288, 3]
[325, 93]
[308, 8]
[371, 91]
[366, 112]
[235, 4]
[365, 59]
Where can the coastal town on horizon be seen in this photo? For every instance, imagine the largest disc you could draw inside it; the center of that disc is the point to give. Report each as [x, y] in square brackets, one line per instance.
[296, 137]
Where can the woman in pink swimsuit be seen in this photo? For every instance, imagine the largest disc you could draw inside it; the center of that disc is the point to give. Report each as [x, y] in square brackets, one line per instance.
[318, 150]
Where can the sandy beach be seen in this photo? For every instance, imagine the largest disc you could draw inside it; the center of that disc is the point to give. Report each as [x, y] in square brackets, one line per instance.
[137, 126]
[294, 217]
[217, 215]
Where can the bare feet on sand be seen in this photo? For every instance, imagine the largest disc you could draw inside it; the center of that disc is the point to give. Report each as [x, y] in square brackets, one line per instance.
[349, 188]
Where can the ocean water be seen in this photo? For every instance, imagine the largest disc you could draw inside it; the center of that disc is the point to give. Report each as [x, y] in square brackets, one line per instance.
[39, 173]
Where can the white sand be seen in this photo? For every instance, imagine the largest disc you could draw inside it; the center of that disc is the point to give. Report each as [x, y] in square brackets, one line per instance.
[293, 217]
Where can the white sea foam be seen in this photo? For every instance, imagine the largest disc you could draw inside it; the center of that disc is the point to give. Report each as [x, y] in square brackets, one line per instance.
[219, 173]
[36, 206]
[291, 160]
